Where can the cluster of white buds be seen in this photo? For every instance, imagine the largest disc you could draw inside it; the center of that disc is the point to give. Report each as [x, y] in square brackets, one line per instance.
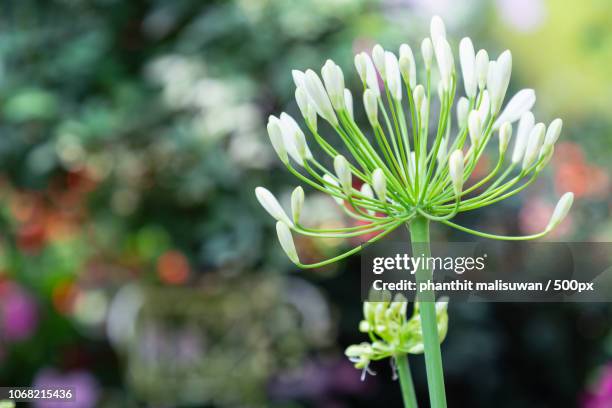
[391, 332]
[408, 164]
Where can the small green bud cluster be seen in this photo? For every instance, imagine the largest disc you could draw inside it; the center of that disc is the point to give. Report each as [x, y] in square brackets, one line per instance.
[391, 333]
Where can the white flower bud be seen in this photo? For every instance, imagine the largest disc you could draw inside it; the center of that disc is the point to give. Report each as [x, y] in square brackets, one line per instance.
[378, 55]
[286, 240]
[297, 203]
[343, 172]
[271, 205]
[407, 65]
[438, 30]
[442, 151]
[505, 133]
[455, 170]
[561, 210]
[276, 138]
[334, 83]
[301, 97]
[308, 111]
[546, 154]
[553, 132]
[366, 190]
[370, 103]
[427, 51]
[369, 310]
[318, 96]
[412, 167]
[300, 145]
[361, 67]
[498, 79]
[441, 91]
[348, 103]
[491, 73]
[312, 116]
[419, 96]
[520, 103]
[475, 127]
[298, 78]
[295, 141]
[364, 327]
[522, 136]
[485, 106]
[394, 79]
[399, 305]
[482, 68]
[330, 180]
[444, 57]
[463, 105]
[371, 78]
[358, 350]
[423, 112]
[468, 66]
[536, 137]
[379, 183]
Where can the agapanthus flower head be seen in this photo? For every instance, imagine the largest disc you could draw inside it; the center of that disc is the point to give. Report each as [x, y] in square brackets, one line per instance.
[412, 160]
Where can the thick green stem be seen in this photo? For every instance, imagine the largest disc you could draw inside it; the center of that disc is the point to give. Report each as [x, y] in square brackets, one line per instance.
[419, 234]
[403, 370]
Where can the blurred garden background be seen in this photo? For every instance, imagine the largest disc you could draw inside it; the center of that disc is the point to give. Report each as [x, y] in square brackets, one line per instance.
[137, 266]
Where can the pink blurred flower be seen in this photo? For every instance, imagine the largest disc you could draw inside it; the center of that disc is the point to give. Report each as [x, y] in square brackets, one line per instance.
[83, 384]
[600, 396]
[522, 15]
[18, 313]
[572, 173]
[360, 239]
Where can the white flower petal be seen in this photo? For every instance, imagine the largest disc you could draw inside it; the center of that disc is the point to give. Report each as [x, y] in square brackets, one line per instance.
[334, 83]
[561, 210]
[394, 79]
[407, 65]
[437, 28]
[298, 78]
[348, 103]
[295, 141]
[475, 127]
[455, 170]
[379, 182]
[463, 105]
[329, 179]
[297, 203]
[536, 138]
[276, 138]
[520, 103]
[286, 240]
[498, 79]
[271, 205]
[427, 52]
[378, 56]
[370, 103]
[505, 133]
[343, 172]
[468, 66]
[318, 96]
[482, 68]
[522, 136]
[553, 132]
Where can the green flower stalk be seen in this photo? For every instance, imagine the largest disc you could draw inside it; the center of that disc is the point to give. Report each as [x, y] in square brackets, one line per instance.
[413, 168]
